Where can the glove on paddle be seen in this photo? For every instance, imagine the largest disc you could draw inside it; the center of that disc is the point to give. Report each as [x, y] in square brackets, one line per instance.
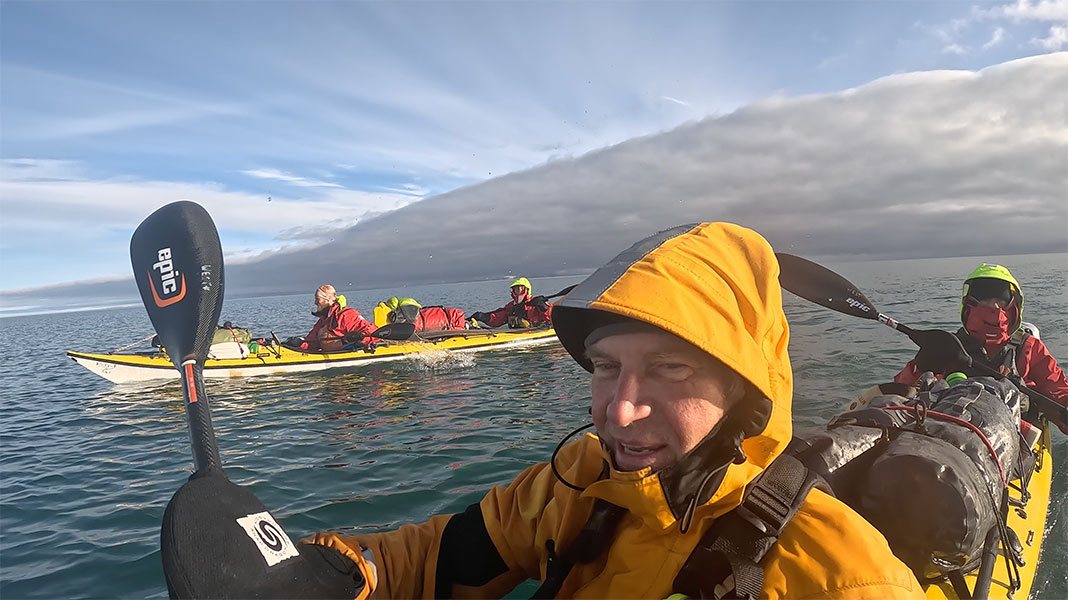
[353, 337]
[481, 316]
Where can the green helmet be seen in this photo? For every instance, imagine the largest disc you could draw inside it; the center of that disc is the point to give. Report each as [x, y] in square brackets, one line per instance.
[523, 282]
[985, 278]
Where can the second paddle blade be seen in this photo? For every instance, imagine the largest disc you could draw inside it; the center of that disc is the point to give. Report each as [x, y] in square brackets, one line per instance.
[819, 284]
[177, 264]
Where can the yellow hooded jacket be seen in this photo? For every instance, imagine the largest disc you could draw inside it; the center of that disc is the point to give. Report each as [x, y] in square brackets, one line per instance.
[716, 286]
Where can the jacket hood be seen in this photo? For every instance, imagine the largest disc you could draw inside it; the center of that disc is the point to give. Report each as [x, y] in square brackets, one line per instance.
[716, 286]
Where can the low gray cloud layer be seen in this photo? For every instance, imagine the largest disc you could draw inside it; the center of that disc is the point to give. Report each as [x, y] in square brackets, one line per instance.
[944, 163]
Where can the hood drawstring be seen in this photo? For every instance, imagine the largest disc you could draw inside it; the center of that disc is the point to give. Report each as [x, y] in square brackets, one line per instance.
[691, 506]
[552, 460]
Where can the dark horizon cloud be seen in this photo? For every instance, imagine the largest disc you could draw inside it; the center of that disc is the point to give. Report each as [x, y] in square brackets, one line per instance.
[929, 164]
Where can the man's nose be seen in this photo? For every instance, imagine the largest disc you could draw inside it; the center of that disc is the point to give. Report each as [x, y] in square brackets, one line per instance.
[627, 405]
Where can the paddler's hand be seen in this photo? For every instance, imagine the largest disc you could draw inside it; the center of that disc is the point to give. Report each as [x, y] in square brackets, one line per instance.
[481, 316]
[353, 337]
[345, 557]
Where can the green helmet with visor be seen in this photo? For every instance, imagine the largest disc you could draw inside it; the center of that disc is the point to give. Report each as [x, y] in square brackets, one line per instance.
[992, 281]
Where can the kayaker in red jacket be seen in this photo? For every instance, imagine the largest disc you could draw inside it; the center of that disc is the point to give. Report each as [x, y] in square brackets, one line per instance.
[522, 312]
[335, 320]
[991, 311]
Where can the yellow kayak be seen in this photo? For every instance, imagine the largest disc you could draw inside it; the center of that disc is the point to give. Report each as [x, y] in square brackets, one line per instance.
[275, 359]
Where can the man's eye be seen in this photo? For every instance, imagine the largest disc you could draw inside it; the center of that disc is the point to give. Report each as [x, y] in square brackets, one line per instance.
[601, 366]
[674, 370]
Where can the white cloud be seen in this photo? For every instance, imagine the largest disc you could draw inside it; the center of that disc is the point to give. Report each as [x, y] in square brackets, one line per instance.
[45, 199]
[995, 38]
[676, 101]
[952, 34]
[287, 178]
[1057, 39]
[820, 174]
[1043, 10]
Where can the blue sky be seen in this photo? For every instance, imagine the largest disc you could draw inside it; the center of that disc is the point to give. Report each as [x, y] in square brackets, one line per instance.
[293, 122]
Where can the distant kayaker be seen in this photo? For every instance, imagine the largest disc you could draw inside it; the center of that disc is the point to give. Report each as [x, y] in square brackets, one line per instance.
[991, 310]
[686, 340]
[335, 320]
[430, 318]
[524, 311]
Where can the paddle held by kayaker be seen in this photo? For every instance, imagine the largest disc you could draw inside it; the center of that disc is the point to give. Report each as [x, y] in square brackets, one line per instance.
[991, 312]
[683, 489]
[335, 321]
[523, 312]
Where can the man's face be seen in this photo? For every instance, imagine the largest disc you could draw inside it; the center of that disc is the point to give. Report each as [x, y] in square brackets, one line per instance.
[519, 291]
[321, 303]
[655, 397]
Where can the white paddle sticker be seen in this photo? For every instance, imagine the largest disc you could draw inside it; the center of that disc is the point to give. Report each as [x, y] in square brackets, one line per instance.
[274, 544]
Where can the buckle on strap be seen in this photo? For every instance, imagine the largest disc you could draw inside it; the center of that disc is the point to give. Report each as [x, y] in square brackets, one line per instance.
[772, 499]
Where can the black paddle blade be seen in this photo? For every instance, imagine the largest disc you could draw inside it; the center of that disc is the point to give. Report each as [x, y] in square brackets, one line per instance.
[395, 331]
[823, 286]
[178, 266]
[219, 541]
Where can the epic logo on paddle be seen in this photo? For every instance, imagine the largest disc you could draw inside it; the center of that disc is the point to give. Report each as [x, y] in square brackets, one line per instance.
[172, 283]
[858, 304]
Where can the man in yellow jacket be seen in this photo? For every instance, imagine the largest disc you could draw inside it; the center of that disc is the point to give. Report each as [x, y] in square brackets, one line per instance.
[686, 340]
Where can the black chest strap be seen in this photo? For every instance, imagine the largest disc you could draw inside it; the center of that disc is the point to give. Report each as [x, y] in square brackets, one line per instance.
[726, 562]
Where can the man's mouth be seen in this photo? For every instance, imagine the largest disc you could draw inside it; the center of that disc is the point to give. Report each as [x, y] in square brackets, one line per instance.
[633, 456]
[637, 449]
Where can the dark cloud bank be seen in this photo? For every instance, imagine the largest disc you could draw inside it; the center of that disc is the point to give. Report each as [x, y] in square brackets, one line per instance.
[917, 165]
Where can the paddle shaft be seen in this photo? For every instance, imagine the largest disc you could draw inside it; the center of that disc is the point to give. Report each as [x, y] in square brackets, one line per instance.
[562, 292]
[197, 412]
[393, 331]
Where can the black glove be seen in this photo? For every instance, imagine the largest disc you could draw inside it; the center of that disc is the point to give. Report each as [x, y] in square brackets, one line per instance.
[540, 302]
[293, 342]
[481, 316]
[353, 337]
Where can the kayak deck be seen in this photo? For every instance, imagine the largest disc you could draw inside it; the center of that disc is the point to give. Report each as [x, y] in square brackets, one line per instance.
[128, 368]
[1028, 522]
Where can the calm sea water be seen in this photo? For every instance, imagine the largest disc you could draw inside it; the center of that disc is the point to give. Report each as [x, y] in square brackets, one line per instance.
[87, 467]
